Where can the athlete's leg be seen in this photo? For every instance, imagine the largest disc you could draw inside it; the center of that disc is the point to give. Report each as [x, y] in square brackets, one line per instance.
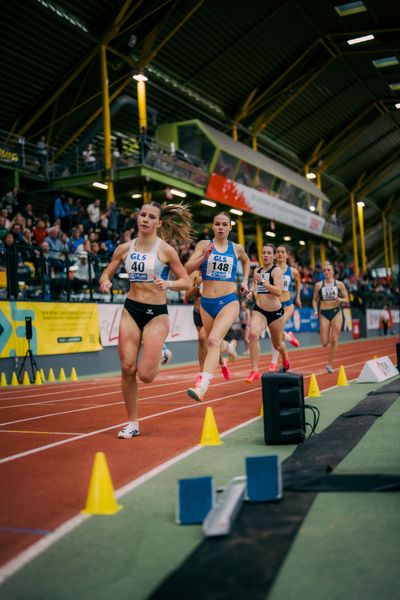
[335, 329]
[276, 330]
[216, 330]
[153, 338]
[257, 325]
[128, 349]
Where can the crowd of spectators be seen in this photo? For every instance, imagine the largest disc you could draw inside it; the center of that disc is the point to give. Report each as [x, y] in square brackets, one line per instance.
[73, 243]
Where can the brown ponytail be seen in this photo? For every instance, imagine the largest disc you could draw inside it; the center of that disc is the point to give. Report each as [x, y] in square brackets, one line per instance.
[176, 222]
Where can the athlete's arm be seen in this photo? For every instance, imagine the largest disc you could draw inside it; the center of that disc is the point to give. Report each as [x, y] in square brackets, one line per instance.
[195, 281]
[315, 297]
[276, 289]
[297, 284]
[344, 299]
[118, 256]
[201, 253]
[182, 281]
[244, 259]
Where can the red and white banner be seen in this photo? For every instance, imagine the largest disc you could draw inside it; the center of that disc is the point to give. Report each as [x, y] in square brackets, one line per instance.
[181, 326]
[260, 203]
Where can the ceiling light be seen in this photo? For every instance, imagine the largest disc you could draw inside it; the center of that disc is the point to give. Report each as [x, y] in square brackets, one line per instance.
[397, 105]
[136, 196]
[270, 234]
[178, 193]
[361, 204]
[208, 203]
[140, 77]
[351, 8]
[233, 223]
[361, 39]
[311, 175]
[287, 238]
[312, 208]
[389, 61]
[302, 243]
[234, 211]
[102, 186]
[394, 86]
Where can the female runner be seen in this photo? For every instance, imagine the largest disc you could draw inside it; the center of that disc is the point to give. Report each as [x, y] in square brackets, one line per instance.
[194, 292]
[331, 294]
[268, 310]
[290, 276]
[144, 322]
[219, 305]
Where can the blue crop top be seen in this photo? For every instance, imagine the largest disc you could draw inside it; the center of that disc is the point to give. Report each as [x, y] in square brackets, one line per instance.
[141, 266]
[287, 279]
[220, 266]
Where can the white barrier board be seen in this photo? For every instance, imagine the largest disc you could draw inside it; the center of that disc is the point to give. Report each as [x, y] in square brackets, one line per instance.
[377, 370]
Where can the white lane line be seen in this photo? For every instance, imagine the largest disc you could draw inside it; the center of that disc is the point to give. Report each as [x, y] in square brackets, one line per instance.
[86, 435]
[39, 547]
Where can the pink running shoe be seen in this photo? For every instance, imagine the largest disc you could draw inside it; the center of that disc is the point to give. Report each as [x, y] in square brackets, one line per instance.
[253, 376]
[225, 371]
[285, 364]
[294, 341]
[198, 380]
[273, 368]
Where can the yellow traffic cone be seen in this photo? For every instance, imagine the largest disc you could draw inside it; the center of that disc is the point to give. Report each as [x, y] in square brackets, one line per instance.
[375, 356]
[14, 379]
[51, 375]
[313, 389]
[210, 435]
[62, 375]
[74, 376]
[26, 380]
[3, 380]
[342, 379]
[262, 410]
[42, 375]
[38, 378]
[100, 499]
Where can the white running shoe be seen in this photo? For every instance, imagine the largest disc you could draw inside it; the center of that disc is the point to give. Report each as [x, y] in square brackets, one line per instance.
[329, 369]
[166, 355]
[129, 431]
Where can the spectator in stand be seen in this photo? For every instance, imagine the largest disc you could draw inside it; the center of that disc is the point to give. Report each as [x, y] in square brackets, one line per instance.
[42, 149]
[3, 227]
[76, 240]
[58, 208]
[93, 212]
[57, 248]
[39, 232]
[10, 202]
[89, 157]
[4, 213]
[82, 274]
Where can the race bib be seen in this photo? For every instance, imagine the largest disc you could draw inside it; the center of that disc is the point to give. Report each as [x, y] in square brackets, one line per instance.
[286, 283]
[329, 293]
[260, 287]
[141, 266]
[219, 266]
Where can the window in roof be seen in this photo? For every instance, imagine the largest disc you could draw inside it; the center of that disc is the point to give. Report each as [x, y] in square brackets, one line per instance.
[389, 61]
[350, 8]
[63, 14]
[395, 86]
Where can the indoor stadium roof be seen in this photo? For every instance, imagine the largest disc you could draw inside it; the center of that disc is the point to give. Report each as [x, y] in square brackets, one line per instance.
[280, 69]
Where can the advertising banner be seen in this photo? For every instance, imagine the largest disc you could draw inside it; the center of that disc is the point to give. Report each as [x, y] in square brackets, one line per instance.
[303, 319]
[374, 317]
[57, 328]
[260, 203]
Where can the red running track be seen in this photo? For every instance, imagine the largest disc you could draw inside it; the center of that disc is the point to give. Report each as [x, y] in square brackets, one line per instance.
[50, 434]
